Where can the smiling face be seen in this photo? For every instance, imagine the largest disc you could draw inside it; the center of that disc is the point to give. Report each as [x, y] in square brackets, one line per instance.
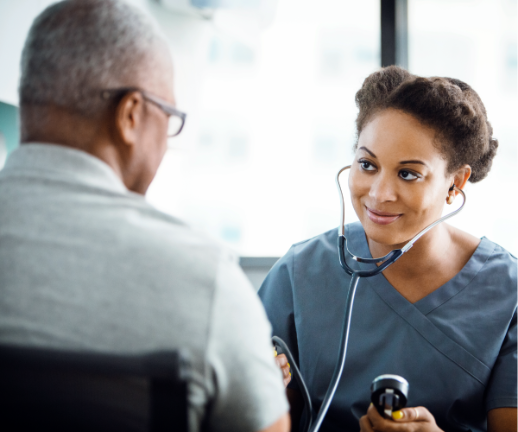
[398, 180]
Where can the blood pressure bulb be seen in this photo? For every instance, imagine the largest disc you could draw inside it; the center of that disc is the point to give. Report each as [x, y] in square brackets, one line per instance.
[389, 393]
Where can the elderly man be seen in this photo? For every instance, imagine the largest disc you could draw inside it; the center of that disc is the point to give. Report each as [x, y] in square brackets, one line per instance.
[85, 262]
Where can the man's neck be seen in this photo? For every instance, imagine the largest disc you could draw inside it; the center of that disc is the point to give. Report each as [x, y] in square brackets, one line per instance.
[53, 124]
[56, 125]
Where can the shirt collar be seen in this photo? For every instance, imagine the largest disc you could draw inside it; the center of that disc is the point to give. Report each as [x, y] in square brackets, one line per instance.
[57, 160]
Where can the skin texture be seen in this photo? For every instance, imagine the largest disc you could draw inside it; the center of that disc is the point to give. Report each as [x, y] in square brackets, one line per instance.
[399, 170]
[282, 362]
[381, 180]
[502, 419]
[131, 139]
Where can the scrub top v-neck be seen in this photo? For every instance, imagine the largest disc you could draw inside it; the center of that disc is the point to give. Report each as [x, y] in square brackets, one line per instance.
[456, 346]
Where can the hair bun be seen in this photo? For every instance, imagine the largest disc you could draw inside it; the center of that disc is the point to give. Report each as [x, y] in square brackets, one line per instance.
[447, 105]
[481, 167]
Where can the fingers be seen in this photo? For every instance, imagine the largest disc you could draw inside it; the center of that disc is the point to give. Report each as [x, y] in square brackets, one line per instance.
[382, 424]
[413, 414]
[282, 362]
[365, 424]
[401, 420]
[374, 417]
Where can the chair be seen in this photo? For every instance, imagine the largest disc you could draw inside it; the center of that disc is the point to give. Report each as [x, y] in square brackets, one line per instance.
[47, 389]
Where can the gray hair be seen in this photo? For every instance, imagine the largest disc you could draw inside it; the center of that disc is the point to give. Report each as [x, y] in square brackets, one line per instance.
[75, 48]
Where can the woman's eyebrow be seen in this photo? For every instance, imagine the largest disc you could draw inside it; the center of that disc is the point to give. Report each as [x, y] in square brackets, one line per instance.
[368, 151]
[413, 162]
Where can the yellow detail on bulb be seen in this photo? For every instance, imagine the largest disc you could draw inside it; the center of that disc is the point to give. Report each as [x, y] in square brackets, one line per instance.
[398, 415]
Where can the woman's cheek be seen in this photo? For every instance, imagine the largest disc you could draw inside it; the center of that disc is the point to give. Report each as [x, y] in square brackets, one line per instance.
[428, 205]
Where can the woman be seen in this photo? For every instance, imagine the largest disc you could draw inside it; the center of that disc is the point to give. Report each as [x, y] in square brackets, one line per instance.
[444, 315]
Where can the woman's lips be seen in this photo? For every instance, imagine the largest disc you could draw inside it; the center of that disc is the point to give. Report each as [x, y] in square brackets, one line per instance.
[382, 218]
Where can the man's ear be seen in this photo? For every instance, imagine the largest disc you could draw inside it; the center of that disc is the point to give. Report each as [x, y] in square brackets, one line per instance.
[129, 116]
[461, 176]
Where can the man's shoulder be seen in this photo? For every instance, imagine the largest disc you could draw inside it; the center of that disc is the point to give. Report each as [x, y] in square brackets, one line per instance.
[170, 246]
[152, 229]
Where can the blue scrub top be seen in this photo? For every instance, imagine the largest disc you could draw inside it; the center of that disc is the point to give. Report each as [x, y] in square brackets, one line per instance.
[456, 346]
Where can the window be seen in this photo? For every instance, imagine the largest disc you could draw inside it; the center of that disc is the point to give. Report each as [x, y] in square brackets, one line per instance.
[274, 125]
[475, 41]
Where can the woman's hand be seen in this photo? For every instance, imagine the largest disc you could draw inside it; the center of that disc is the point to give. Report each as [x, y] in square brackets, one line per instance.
[282, 362]
[417, 419]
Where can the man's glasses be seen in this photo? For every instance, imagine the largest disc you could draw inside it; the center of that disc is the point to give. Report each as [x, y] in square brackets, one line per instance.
[176, 117]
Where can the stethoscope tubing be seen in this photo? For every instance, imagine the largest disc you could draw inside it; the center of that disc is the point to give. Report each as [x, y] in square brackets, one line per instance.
[383, 263]
[342, 354]
[298, 377]
[342, 244]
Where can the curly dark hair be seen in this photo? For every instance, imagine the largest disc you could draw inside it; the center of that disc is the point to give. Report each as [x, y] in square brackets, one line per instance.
[449, 106]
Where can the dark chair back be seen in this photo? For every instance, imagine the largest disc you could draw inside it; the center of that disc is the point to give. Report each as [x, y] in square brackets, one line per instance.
[46, 389]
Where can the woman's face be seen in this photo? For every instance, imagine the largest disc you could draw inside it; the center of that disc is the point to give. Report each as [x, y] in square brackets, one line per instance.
[398, 180]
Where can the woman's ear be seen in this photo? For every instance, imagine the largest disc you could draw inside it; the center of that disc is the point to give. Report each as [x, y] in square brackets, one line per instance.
[461, 176]
[129, 118]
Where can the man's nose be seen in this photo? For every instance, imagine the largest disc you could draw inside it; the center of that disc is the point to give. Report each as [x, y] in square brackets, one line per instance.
[383, 189]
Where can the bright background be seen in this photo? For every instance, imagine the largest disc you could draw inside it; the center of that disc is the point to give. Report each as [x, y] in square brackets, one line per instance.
[271, 109]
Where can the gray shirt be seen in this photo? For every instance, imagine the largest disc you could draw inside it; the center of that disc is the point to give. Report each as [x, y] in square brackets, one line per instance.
[85, 264]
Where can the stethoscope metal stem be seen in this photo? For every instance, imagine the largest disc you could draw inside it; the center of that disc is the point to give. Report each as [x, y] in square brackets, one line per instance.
[382, 264]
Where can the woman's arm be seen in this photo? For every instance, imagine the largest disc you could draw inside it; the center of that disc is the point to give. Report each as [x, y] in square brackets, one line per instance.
[502, 420]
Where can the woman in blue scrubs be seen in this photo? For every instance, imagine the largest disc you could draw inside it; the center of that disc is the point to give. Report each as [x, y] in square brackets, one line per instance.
[444, 315]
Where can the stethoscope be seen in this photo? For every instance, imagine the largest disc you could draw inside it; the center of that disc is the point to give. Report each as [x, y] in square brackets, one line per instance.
[382, 263]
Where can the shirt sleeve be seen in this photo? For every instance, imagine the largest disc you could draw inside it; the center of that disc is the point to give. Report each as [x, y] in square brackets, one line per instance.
[502, 387]
[276, 293]
[249, 391]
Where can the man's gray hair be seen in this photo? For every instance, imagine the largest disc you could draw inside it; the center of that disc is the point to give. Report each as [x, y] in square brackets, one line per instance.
[76, 48]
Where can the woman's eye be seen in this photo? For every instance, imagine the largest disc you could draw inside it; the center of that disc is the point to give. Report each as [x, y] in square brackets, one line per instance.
[407, 175]
[367, 166]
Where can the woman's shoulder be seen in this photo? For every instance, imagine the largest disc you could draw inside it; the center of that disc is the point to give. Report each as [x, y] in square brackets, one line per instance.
[494, 268]
[496, 254]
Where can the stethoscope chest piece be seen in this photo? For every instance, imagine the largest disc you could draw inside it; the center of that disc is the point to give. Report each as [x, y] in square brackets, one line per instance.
[389, 393]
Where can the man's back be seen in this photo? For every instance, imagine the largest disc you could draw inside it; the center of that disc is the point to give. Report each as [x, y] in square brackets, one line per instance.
[88, 265]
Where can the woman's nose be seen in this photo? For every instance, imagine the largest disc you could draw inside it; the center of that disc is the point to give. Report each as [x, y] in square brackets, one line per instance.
[383, 189]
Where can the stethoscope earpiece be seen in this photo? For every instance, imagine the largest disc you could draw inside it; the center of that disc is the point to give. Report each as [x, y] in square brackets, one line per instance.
[389, 392]
[451, 197]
